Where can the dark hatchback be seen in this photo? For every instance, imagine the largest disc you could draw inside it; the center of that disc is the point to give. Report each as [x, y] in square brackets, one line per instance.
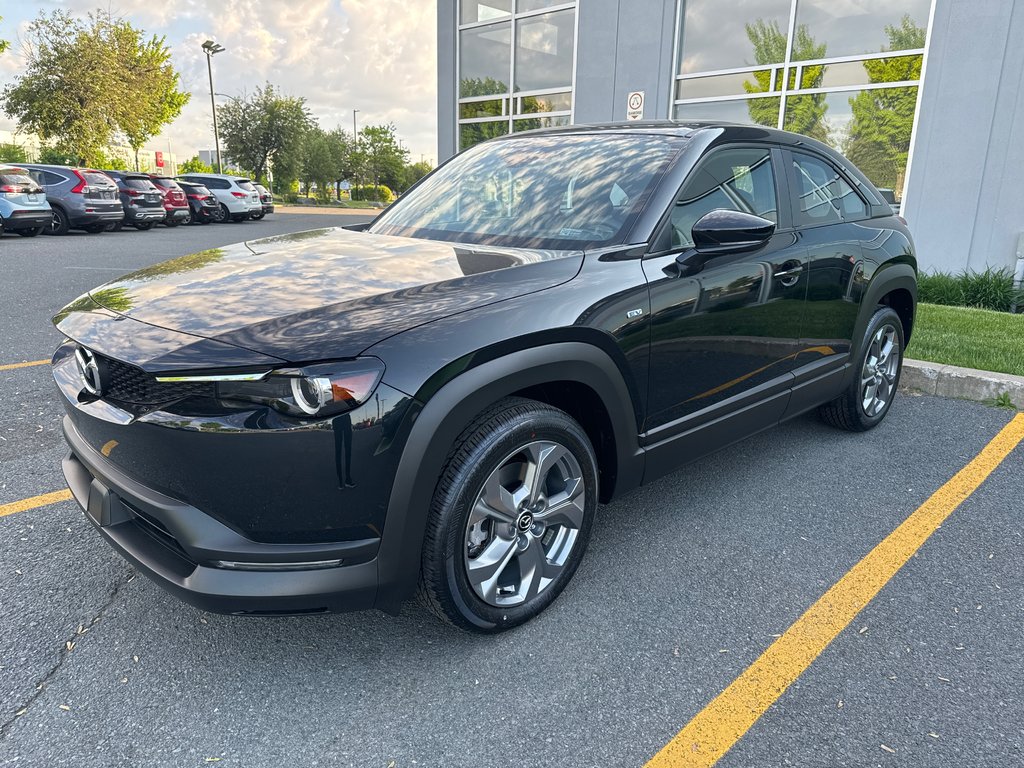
[337, 420]
[203, 206]
[142, 200]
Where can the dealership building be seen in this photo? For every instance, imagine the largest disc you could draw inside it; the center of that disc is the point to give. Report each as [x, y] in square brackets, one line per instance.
[922, 95]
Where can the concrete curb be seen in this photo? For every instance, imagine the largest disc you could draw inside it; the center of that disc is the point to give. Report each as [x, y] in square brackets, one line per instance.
[962, 383]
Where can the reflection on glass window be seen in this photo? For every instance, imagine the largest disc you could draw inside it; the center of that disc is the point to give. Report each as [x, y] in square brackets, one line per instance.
[569, 191]
[734, 180]
[544, 51]
[523, 6]
[721, 35]
[474, 133]
[489, 108]
[862, 26]
[549, 102]
[724, 85]
[762, 111]
[484, 60]
[484, 10]
[533, 123]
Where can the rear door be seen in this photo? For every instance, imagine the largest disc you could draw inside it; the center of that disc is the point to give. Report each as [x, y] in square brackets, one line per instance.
[727, 337]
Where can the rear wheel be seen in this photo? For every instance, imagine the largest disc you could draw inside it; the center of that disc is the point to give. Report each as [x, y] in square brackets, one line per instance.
[144, 226]
[95, 229]
[188, 218]
[225, 214]
[59, 225]
[511, 517]
[258, 216]
[870, 394]
[170, 222]
[35, 231]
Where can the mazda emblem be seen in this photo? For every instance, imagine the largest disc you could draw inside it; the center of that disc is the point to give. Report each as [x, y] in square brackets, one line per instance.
[89, 368]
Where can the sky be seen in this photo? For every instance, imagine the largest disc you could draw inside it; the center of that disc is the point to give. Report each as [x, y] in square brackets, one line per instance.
[376, 56]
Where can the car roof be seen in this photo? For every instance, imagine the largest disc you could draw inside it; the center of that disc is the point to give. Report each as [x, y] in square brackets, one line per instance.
[227, 176]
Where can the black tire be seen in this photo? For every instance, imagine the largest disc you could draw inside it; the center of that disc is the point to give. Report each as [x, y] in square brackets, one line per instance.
[60, 224]
[170, 223]
[95, 229]
[257, 216]
[490, 442]
[188, 218]
[35, 231]
[144, 226]
[225, 214]
[117, 226]
[848, 410]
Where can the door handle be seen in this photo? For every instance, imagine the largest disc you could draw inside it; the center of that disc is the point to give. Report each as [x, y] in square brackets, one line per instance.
[789, 277]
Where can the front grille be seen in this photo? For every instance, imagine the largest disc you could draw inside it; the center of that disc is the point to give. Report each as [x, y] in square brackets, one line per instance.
[129, 384]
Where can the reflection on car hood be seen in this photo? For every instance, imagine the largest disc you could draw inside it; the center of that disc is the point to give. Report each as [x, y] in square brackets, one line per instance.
[326, 293]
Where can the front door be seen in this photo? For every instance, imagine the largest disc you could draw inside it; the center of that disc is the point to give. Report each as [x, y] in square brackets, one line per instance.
[727, 337]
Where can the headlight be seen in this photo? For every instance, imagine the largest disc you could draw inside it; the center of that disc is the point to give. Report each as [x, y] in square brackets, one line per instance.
[325, 389]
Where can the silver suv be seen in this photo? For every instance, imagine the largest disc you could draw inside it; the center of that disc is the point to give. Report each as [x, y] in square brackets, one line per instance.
[237, 196]
[81, 198]
[23, 206]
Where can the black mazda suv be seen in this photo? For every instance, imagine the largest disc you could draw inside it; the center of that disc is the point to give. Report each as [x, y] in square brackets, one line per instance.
[435, 404]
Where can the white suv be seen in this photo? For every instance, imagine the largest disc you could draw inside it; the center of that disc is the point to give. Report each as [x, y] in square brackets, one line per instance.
[238, 198]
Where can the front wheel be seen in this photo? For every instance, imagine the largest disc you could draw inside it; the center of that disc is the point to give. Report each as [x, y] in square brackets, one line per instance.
[511, 517]
[877, 375]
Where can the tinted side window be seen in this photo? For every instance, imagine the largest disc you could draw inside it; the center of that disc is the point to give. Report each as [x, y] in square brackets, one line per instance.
[823, 196]
[218, 183]
[733, 179]
[49, 177]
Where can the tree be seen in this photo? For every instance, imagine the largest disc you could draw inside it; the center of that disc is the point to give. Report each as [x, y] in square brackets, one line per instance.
[13, 153]
[381, 157]
[804, 114]
[194, 165]
[3, 46]
[319, 165]
[86, 80]
[58, 156]
[883, 118]
[146, 70]
[415, 172]
[256, 129]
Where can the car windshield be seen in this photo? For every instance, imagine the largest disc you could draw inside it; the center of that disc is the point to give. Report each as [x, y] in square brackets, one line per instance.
[557, 192]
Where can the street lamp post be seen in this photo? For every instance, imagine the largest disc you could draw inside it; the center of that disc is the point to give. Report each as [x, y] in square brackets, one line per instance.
[210, 48]
[355, 148]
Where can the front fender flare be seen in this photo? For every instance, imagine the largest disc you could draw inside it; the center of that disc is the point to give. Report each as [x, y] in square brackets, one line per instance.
[439, 422]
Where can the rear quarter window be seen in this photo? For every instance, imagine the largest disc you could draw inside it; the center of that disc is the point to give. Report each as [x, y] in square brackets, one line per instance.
[246, 185]
[98, 179]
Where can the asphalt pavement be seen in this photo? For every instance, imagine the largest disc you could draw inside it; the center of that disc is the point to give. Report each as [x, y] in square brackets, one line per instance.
[686, 583]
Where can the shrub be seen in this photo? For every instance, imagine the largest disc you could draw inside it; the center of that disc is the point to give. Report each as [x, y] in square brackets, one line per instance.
[377, 193]
[13, 153]
[991, 289]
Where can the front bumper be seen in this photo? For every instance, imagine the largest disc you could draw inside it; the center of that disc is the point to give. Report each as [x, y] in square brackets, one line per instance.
[178, 546]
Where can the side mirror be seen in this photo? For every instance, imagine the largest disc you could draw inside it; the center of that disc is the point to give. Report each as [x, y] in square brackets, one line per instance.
[723, 231]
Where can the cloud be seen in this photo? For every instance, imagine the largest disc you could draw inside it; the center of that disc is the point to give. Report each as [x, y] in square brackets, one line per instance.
[377, 56]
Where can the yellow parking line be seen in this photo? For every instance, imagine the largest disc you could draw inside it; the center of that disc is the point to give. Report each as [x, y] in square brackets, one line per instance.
[12, 366]
[32, 503]
[715, 729]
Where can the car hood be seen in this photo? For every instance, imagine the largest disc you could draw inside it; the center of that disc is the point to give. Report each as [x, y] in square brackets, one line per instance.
[326, 293]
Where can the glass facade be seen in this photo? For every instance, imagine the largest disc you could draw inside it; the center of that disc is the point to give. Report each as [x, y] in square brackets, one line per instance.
[845, 73]
[515, 66]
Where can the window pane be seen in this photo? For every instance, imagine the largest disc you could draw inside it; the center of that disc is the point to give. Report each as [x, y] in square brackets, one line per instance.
[763, 111]
[484, 60]
[474, 133]
[892, 70]
[484, 10]
[816, 191]
[492, 108]
[544, 51]
[734, 179]
[829, 28]
[522, 6]
[870, 127]
[532, 123]
[725, 85]
[738, 33]
[550, 102]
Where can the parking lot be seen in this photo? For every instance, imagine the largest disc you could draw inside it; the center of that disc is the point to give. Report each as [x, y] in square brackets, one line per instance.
[686, 583]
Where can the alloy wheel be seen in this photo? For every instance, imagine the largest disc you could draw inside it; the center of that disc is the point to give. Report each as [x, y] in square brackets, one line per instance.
[881, 365]
[524, 524]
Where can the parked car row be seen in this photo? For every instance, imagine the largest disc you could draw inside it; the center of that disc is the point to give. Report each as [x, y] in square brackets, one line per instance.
[54, 199]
